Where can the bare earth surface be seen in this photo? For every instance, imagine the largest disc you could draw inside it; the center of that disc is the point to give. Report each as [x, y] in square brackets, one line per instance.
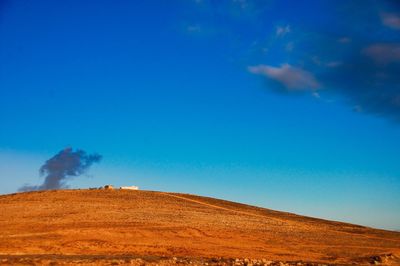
[113, 227]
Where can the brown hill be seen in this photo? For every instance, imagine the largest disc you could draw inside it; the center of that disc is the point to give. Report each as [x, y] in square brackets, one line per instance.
[114, 226]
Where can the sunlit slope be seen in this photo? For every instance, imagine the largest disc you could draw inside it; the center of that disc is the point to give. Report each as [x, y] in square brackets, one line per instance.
[169, 224]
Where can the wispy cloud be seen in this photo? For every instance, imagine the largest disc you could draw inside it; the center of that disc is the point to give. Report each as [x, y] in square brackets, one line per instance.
[383, 53]
[391, 20]
[293, 78]
[282, 30]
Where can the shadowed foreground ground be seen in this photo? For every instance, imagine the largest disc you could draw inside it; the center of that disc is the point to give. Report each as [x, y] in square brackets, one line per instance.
[144, 227]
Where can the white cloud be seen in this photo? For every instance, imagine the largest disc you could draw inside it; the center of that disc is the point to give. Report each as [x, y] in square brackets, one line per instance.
[282, 30]
[293, 78]
[391, 20]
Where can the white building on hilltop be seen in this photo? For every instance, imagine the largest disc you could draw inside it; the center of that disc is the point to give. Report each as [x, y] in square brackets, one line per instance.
[130, 188]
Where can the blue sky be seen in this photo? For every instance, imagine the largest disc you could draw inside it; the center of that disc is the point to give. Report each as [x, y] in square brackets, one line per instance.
[289, 105]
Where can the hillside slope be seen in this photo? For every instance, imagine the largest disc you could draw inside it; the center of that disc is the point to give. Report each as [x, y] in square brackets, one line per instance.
[146, 223]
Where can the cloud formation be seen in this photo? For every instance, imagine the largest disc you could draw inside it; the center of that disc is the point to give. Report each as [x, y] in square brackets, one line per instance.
[67, 163]
[358, 59]
[383, 53]
[367, 78]
[282, 30]
[346, 49]
[292, 78]
[391, 20]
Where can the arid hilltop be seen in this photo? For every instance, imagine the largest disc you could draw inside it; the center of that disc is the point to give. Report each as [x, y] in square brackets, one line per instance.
[139, 227]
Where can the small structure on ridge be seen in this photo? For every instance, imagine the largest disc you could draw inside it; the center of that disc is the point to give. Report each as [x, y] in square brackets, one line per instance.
[130, 188]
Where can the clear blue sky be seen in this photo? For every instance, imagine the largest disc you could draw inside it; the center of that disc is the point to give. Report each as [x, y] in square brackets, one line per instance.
[289, 105]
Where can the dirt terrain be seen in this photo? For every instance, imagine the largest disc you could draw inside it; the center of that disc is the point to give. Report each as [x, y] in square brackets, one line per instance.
[114, 227]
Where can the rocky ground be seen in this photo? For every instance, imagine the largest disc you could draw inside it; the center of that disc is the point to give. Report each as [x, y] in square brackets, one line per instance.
[386, 259]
